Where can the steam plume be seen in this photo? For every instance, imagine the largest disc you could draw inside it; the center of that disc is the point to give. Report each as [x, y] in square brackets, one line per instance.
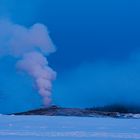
[29, 46]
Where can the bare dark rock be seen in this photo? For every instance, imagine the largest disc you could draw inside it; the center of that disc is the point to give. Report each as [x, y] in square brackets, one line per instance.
[89, 112]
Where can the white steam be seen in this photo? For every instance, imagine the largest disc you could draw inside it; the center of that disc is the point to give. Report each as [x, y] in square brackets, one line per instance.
[36, 65]
[30, 46]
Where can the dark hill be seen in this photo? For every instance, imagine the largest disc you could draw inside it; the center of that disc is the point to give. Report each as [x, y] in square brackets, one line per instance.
[88, 112]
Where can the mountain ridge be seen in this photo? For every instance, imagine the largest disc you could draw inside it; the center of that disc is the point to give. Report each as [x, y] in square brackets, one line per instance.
[79, 112]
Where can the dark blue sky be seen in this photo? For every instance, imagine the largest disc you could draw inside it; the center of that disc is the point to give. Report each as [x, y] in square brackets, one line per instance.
[97, 43]
[83, 30]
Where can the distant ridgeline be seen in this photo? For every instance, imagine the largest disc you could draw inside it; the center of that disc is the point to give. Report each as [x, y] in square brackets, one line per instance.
[115, 111]
[119, 108]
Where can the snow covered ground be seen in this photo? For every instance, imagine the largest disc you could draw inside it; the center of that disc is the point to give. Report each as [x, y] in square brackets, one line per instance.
[68, 128]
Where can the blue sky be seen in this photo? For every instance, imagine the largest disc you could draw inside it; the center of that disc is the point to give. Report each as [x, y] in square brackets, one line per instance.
[82, 30]
[85, 32]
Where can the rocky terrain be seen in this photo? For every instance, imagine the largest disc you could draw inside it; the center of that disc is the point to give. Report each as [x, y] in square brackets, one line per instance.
[88, 112]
